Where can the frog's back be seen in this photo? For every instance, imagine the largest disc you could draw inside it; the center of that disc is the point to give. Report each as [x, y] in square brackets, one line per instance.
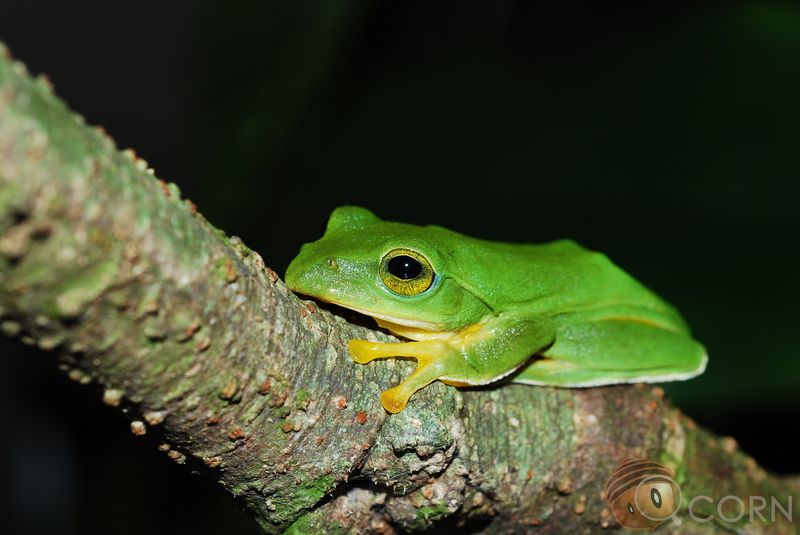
[561, 280]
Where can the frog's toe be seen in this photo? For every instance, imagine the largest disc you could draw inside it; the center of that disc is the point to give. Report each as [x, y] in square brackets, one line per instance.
[363, 351]
[394, 400]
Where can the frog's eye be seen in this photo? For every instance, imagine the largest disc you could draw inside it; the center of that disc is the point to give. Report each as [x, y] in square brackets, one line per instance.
[406, 272]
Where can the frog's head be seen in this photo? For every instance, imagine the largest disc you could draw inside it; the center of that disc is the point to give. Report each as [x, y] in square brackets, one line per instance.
[394, 272]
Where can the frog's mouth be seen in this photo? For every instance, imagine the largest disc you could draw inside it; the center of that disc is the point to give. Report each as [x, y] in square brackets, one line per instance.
[385, 320]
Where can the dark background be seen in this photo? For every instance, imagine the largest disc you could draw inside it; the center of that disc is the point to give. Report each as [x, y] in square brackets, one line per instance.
[665, 136]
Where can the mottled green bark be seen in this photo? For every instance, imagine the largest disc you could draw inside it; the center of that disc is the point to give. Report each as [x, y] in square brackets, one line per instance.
[202, 344]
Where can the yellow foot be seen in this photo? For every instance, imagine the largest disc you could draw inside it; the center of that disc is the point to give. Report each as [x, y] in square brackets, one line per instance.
[431, 357]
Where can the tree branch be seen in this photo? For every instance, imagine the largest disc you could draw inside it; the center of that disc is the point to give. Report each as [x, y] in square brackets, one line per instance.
[203, 346]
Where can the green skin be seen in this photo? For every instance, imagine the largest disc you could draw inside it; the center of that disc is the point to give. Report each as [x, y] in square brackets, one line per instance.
[552, 314]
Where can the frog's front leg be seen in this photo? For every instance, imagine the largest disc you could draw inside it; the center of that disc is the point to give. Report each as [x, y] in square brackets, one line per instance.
[478, 354]
[435, 359]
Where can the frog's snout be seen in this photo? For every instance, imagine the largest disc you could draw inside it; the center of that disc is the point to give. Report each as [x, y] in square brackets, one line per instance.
[295, 274]
[310, 277]
[290, 277]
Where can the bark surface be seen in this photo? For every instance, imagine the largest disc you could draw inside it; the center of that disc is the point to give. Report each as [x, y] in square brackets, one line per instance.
[199, 343]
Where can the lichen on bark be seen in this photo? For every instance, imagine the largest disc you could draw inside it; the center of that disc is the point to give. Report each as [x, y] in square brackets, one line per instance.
[189, 332]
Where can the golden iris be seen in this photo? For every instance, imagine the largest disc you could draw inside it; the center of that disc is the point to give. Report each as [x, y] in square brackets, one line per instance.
[406, 272]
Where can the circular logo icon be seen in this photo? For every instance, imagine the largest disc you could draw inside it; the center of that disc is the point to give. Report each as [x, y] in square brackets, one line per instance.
[657, 498]
[642, 494]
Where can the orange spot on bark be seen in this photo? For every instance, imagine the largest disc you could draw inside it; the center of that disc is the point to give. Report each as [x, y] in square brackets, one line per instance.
[164, 185]
[266, 386]
[237, 433]
[214, 420]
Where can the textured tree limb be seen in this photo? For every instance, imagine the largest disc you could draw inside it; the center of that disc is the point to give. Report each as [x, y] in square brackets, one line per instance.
[204, 346]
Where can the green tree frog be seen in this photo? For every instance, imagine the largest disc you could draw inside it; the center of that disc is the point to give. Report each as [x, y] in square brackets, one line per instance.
[475, 311]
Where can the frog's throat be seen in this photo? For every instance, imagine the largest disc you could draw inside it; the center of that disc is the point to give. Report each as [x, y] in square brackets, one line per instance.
[386, 321]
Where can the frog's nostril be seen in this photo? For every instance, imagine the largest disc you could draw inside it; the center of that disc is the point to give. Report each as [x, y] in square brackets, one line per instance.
[333, 264]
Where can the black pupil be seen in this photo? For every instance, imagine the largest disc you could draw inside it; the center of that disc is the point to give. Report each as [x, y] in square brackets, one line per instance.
[630, 508]
[404, 267]
[656, 497]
